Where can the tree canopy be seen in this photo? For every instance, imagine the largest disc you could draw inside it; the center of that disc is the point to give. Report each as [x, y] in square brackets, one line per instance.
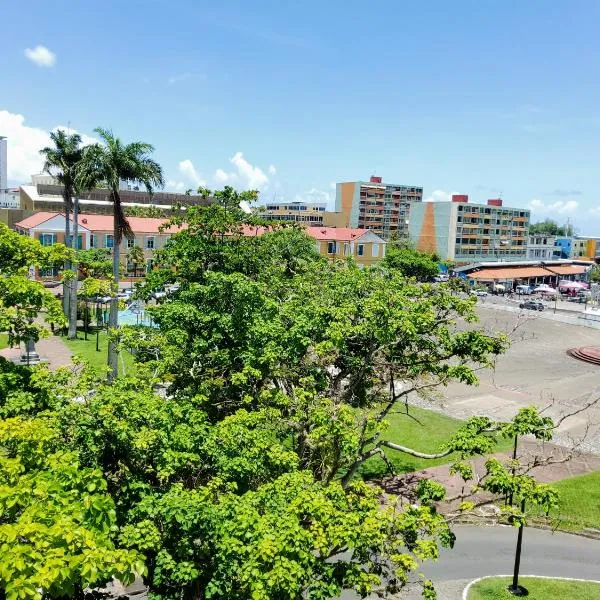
[410, 262]
[226, 467]
[551, 227]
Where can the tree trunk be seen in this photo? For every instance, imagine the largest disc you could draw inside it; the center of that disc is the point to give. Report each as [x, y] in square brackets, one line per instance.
[72, 334]
[66, 284]
[113, 317]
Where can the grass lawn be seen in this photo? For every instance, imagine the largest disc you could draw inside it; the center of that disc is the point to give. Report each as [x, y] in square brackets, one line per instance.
[3, 340]
[539, 589]
[87, 350]
[579, 502]
[426, 432]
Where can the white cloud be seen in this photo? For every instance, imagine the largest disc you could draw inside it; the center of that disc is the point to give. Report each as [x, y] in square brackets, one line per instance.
[439, 196]
[176, 186]
[222, 177]
[41, 56]
[560, 207]
[253, 178]
[178, 78]
[187, 169]
[25, 143]
[272, 170]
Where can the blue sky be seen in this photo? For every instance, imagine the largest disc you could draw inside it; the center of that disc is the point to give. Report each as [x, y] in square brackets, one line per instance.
[472, 97]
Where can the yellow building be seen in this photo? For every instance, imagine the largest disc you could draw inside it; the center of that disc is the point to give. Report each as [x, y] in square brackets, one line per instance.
[584, 248]
[308, 213]
[364, 246]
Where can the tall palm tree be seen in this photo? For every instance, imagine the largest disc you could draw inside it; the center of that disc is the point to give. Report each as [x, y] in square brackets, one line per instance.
[62, 162]
[107, 164]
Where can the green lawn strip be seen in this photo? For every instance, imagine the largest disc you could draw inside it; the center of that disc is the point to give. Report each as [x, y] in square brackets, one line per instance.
[539, 589]
[579, 502]
[3, 340]
[87, 350]
[425, 431]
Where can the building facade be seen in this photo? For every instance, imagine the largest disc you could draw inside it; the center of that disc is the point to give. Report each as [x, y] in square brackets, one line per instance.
[45, 195]
[310, 213]
[364, 246]
[542, 247]
[96, 231]
[384, 208]
[584, 248]
[466, 232]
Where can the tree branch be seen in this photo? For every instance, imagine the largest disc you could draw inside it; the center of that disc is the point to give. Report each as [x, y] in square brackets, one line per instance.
[415, 453]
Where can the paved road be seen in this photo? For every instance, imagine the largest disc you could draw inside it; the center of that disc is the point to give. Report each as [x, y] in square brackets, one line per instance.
[490, 550]
[483, 551]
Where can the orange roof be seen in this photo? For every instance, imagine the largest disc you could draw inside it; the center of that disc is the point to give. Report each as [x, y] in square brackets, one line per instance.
[35, 220]
[567, 269]
[338, 234]
[100, 222]
[509, 273]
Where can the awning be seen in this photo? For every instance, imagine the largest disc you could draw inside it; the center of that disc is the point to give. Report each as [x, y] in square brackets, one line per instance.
[512, 273]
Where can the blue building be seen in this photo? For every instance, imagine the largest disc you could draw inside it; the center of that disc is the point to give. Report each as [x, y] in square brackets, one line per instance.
[564, 247]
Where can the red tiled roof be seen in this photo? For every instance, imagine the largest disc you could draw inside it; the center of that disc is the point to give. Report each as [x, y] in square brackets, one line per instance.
[100, 222]
[35, 220]
[338, 234]
[567, 269]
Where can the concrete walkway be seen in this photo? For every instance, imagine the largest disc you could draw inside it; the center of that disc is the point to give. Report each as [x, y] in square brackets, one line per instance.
[579, 464]
[52, 350]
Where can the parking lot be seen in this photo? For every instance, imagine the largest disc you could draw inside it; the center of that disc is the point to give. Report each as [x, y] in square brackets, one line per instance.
[536, 370]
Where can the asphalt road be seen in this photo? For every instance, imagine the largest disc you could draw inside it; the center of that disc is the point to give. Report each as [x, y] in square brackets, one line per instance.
[490, 550]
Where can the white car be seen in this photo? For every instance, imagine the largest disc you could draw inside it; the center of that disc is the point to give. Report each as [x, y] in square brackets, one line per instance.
[481, 293]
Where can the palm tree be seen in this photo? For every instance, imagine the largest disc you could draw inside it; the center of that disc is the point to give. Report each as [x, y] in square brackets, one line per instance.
[62, 162]
[136, 256]
[107, 164]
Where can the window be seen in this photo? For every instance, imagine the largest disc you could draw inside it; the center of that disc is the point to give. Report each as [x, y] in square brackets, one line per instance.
[109, 240]
[79, 241]
[50, 272]
[360, 250]
[47, 239]
[346, 248]
[149, 265]
[375, 250]
[130, 242]
[330, 247]
[150, 243]
[92, 241]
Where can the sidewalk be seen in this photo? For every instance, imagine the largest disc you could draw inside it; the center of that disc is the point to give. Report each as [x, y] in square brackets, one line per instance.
[579, 464]
[52, 350]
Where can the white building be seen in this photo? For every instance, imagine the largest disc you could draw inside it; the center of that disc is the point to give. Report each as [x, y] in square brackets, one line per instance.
[541, 247]
[9, 198]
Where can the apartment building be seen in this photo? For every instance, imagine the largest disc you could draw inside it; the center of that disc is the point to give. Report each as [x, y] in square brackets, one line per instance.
[542, 247]
[384, 208]
[307, 213]
[466, 232]
[96, 231]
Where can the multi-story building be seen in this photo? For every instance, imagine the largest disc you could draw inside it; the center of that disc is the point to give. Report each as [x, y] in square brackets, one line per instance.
[542, 247]
[96, 231]
[309, 213]
[584, 248]
[44, 194]
[381, 207]
[467, 233]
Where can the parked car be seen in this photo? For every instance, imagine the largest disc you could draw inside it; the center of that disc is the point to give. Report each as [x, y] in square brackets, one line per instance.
[482, 293]
[441, 278]
[532, 305]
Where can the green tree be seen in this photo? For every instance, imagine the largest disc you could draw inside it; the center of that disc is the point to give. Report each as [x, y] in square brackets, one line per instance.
[62, 161]
[411, 262]
[136, 256]
[551, 227]
[21, 299]
[108, 164]
[95, 262]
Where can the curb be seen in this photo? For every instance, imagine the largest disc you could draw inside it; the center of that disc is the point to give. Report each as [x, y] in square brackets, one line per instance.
[465, 593]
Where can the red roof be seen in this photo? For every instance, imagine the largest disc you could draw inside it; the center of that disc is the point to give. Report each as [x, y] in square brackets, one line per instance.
[35, 220]
[338, 234]
[100, 222]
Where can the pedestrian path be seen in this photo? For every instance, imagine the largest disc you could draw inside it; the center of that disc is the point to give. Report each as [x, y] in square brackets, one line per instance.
[52, 350]
[579, 464]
